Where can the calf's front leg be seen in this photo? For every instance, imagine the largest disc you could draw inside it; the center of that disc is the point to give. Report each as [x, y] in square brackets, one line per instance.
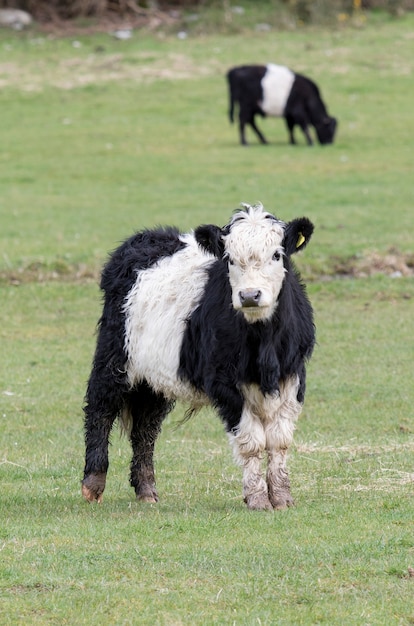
[248, 442]
[277, 478]
[279, 436]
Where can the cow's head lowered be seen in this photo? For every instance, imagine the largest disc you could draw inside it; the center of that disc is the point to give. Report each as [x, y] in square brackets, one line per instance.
[256, 246]
[325, 129]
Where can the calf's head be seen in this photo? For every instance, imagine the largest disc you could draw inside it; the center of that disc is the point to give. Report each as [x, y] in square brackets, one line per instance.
[256, 247]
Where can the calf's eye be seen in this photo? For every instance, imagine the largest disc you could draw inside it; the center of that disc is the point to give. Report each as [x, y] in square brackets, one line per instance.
[276, 256]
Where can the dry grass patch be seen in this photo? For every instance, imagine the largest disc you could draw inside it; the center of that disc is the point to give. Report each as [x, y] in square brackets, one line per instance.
[98, 68]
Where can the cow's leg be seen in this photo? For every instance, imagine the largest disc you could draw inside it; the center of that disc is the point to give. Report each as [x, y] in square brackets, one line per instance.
[279, 436]
[147, 410]
[291, 125]
[303, 123]
[242, 130]
[256, 130]
[305, 131]
[247, 116]
[249, 443]
[104, 402]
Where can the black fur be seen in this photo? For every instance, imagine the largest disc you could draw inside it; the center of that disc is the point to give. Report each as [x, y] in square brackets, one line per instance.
[210, 237]
[221, 351]
[297, 235]
[305, 107]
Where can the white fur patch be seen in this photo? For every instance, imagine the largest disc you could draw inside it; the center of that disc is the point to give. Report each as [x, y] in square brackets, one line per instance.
[266, 428]
[277, 84]
[267, 422]
[251, 245]
[156, 309]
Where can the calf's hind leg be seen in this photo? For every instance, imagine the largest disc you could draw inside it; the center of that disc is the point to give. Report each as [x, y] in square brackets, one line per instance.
[146, 412]
[104, 402]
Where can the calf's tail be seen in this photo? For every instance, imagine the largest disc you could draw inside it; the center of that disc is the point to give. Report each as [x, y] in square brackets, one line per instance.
[232, 96]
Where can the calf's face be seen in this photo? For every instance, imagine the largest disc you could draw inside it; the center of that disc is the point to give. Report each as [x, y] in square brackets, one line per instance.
[255, 245]
[254, 252]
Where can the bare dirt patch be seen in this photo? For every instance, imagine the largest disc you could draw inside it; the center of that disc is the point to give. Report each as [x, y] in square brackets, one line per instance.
[57, 272]
[393, 263]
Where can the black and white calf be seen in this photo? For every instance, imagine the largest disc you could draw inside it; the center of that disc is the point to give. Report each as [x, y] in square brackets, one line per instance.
[277, 91]
[216, 316]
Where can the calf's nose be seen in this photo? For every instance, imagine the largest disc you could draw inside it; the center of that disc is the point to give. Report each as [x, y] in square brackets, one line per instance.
[250, 297]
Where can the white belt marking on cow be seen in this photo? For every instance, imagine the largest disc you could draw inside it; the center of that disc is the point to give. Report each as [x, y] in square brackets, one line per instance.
[277, 84]
[156, 318]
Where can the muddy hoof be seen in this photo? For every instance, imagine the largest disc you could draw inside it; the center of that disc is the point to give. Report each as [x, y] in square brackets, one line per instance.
[281, 501]
[147, 493]
[259, 502]
[149, 499]
[93, 487]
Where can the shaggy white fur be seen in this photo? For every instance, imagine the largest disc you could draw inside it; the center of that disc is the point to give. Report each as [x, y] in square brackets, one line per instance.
[255, 252]
[156, 309]
[266, 427]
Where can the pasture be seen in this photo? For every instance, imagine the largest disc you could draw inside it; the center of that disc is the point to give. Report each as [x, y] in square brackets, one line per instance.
[101, 137]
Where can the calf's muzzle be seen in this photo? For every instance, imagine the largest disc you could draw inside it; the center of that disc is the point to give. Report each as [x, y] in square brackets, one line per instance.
[250, 297]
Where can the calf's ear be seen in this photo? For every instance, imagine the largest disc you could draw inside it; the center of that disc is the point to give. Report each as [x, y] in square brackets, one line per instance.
[297, 234]
[210, 237]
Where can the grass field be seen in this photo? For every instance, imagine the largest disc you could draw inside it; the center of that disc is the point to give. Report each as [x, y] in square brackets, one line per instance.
[101, 137]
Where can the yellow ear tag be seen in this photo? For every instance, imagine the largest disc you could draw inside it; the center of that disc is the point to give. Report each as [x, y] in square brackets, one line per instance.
[300, 240]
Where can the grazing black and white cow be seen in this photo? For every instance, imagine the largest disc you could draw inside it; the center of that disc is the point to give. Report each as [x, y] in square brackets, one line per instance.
[216, 316]
[277, 91]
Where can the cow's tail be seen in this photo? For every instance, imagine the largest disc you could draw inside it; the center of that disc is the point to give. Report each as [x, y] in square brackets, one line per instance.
[232, 95]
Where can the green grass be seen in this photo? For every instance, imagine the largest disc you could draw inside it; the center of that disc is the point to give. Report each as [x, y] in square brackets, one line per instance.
[98, 141]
